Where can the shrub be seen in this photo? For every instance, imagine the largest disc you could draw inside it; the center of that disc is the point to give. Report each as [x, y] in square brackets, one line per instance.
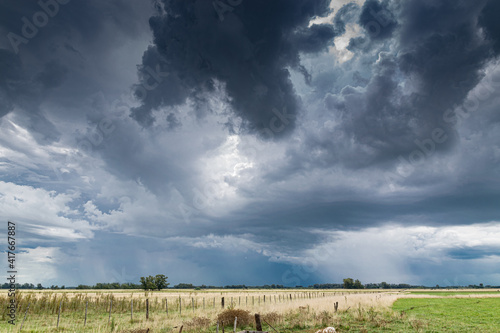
[227, 317]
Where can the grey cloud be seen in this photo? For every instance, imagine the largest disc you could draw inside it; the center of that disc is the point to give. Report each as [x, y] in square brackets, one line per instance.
[50, 61]
[249, 49]
[346, 14]
[476, 252]
[377, 19]
[437, 51]
[488, 19]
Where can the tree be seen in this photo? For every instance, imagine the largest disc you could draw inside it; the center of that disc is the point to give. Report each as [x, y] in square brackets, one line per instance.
[348, 283]
[148, 283]
[154, 282]
[39, 286]
[161, 281]
[357, 285]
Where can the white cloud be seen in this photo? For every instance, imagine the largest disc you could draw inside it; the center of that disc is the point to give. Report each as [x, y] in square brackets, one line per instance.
[43, 213]
[40, 265]
[396, 253]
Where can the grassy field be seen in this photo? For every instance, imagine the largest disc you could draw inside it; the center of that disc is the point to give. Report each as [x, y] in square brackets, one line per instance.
[287, 311]
[456, 293]
[451, 314]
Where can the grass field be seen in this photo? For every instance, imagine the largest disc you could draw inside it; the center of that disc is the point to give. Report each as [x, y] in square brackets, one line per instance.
[452, 314]
[456, 293]
[287, 311]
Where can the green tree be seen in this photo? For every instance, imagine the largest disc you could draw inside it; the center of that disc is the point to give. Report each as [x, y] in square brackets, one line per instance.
[348, 283]
[161, 281]
[148, 283]
[358, 285]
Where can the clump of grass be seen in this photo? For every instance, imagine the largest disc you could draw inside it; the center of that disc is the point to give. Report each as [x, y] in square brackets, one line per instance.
[137, 330]
[272, 317]
[197, 323]
[325, 317]
[227, 317]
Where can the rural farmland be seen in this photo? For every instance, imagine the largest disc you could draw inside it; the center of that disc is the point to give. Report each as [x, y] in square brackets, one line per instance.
[285, 311]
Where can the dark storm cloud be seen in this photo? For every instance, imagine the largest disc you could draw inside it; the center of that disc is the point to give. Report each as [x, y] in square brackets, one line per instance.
[47, 49]
[249, 48]
[25, 90]
[346, 14]
[10, 76]
[489, 21]
[434, 58]
[476, 252]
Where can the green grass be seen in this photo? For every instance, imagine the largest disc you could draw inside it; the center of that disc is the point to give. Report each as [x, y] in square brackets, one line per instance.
[452, 314]
[455, 293]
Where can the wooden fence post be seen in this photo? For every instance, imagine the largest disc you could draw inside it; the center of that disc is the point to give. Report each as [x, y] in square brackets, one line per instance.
[59, 314]
[235, 321]
[222, 302]
[132, 310]
[258, 325]
[192, 303]
[25, 316]
[147, 308]
[166, 305]
[180, 307]
[86, 306]
[110, 306]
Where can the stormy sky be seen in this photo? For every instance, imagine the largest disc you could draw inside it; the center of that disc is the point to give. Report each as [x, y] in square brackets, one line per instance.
[251, 141]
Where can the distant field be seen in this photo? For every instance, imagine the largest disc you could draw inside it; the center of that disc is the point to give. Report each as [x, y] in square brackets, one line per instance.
[457, 292]
[451, 314]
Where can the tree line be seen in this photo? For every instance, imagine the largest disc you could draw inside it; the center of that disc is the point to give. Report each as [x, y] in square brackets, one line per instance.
[159, 282]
